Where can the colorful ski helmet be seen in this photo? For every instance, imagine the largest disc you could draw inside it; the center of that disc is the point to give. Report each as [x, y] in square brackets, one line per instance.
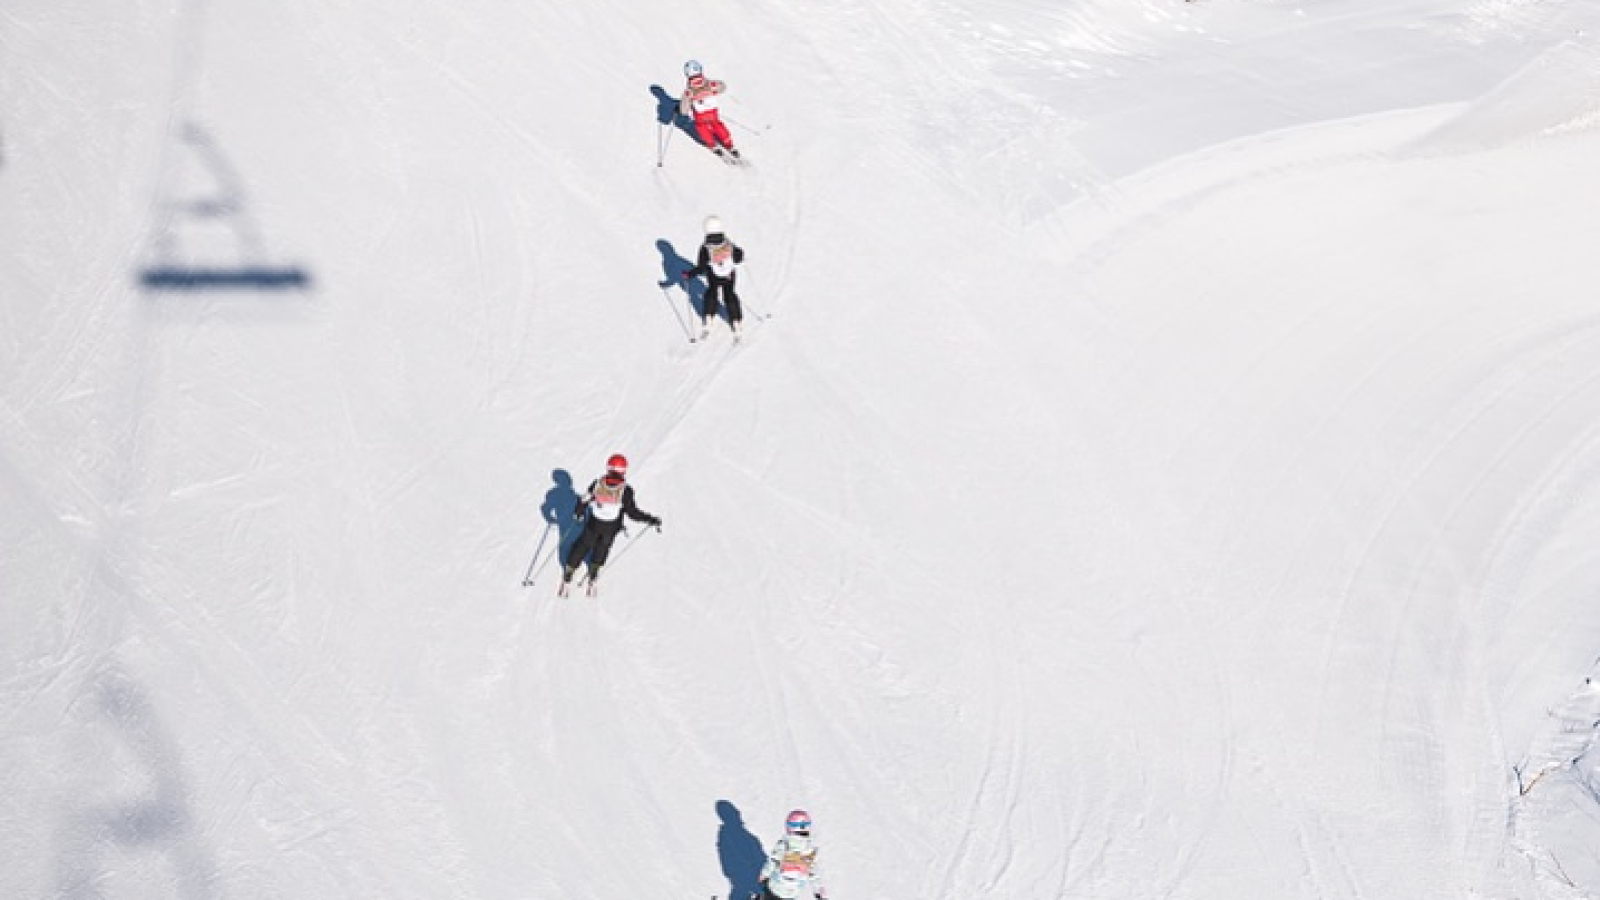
[617, 463]
[692, 69]
[714, 225]
[799, 822]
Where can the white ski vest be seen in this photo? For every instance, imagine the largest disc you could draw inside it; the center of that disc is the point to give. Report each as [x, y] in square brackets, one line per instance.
[605, 501]
[721, 258]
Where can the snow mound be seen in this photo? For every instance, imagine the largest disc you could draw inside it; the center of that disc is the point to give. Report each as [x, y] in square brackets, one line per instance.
[1556, 93]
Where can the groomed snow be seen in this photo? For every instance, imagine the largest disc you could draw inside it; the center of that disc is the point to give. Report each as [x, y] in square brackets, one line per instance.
[1171, 466]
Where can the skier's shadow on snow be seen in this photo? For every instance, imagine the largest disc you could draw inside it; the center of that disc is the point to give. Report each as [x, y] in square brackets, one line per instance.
[672, 268]
[740, 853]
[558, 508]
[667, 112]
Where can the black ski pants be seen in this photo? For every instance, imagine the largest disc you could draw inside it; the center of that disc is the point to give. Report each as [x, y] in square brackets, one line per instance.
[719, 288]
[594, 543]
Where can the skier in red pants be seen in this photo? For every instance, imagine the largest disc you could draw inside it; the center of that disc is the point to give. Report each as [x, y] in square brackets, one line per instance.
[701, 97]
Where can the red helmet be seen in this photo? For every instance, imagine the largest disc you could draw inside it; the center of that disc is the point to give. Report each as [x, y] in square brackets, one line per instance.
[617, 463]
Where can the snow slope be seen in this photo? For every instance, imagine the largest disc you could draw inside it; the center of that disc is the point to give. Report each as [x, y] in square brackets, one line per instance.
[1168, 468]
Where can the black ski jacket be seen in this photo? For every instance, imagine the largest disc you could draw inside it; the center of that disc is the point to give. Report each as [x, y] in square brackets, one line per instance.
[629, 507]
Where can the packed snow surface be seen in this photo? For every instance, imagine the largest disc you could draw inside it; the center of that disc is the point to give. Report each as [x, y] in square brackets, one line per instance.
[1162, 459]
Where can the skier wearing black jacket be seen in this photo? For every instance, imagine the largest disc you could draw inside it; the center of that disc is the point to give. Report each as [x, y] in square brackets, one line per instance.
[601, 509]
[717, 262]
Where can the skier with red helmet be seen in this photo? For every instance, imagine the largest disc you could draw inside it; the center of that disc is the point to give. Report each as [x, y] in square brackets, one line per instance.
[790, 872]
[601, 509]
[701, 98]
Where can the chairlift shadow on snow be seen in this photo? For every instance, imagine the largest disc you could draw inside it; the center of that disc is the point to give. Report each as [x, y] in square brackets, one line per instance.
[667, 112]
[206, 237]
[739, 852]
[106, 827]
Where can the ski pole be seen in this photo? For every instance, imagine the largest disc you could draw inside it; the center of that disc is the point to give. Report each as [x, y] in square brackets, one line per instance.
[632, 539]
[755, 131]
[754, 313]
[733, 101]
[611, 563]
[665, 292]
[527, 579]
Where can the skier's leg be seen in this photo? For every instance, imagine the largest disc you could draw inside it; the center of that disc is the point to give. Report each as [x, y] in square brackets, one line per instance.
[580, 549]
[720, 131]
[603, 538]
[735, 308]
[708, 308]
[706, 130]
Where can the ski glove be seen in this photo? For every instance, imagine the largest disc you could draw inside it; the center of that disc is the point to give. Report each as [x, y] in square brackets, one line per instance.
[655, 521]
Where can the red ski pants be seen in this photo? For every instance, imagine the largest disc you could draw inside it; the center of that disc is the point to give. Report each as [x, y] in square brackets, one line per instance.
[711, 130]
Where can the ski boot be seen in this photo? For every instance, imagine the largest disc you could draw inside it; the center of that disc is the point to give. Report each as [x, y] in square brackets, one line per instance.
[566, 580]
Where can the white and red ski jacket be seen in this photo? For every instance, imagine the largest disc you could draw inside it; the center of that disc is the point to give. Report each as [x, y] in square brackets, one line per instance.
[791, 871]
[701, 97]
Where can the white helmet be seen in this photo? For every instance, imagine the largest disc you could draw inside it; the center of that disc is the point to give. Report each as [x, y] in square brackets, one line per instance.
[714, 225]
[692, 68]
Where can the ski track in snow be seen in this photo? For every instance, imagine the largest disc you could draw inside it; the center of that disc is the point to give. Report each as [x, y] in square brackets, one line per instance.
[1078, 525]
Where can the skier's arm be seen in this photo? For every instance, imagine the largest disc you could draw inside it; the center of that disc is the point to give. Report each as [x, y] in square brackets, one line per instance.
[770, 867]
[702, 264]
[582, 502]
[632, 510]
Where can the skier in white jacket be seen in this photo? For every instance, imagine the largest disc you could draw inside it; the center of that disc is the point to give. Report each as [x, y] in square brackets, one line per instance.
[791, 871]
[718, 262]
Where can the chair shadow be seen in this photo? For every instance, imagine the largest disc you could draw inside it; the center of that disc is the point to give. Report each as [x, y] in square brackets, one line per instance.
[214, 203]
[739, 852]
[673, 266]
[104, 829]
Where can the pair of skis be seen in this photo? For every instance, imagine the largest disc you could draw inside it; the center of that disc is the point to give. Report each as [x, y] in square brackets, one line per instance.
[590, 587]
[588, 582]
[731, 157]
[705, 334]
[564, 589]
